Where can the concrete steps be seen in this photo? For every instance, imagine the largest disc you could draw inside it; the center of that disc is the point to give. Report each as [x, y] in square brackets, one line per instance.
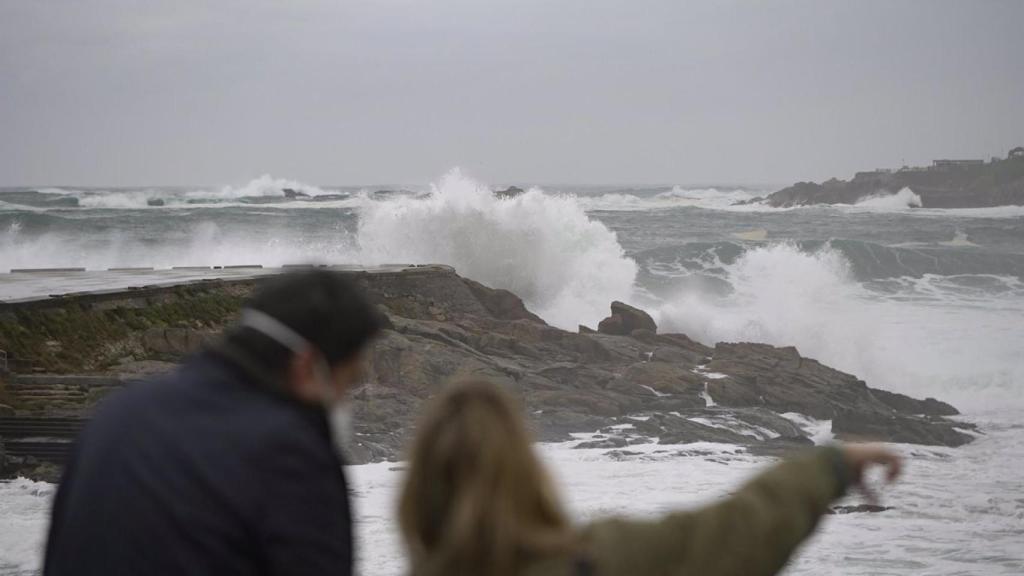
[44, 439]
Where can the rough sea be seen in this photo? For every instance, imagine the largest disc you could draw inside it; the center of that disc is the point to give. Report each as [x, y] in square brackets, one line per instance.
[920, 301]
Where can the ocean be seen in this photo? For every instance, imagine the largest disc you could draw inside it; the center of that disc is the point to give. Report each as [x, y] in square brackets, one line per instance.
[921, 301]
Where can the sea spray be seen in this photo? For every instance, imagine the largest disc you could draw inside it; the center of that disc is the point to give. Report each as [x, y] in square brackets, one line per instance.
[265, 185]
[566, 266]
[901, 200]
[783, 295]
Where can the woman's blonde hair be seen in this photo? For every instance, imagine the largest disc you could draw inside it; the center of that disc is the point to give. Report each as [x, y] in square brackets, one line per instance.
[476, 499]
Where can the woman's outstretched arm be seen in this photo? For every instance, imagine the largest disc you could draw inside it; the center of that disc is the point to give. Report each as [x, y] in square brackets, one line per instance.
[752, 532]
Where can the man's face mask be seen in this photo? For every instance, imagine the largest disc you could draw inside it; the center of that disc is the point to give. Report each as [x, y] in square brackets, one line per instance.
[339, 409]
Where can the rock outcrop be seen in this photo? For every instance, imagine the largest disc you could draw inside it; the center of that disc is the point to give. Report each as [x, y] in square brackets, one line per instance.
[622, 387]
[996, 183]
[625, 319]
[510, 192]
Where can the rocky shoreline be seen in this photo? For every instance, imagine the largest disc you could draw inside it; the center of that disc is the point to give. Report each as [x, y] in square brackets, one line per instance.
[946, 184]
[622, 384]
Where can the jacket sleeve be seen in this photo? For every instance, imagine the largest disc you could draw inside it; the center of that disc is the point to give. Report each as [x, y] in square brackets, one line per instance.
[752, 532]
[305, 527]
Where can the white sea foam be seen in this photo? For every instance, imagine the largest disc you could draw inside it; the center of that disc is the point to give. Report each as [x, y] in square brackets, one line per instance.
[711, 198]
[565, 265]
[959, 239]
[820, 431]
[925, 532]
[978, 531]
[265, 185]
[964, 351]
[24, 510]
[201, 243]
[901, 200]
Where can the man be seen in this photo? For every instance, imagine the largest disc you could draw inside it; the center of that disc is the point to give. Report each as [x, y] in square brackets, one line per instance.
[230, 464]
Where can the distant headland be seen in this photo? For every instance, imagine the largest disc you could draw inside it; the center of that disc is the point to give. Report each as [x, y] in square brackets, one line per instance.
[944, 184]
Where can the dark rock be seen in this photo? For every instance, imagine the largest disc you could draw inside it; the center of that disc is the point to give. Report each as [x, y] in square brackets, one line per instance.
[659, 378]
[862, 426]
[510, 192]
[780, 447]
[625, 319]
[996, 183]
[614, 325]
[622, 454]
[870, 508]
[555, 426]
[586, 330]
[293, 193]
[644, 335]
[502, 304]
[613, 442]
[328, 197]
[156, 202]
[441, 327]
[907, 405]
[670, 429]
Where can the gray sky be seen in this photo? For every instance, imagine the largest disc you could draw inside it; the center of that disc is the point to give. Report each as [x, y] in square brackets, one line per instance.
[106, 92]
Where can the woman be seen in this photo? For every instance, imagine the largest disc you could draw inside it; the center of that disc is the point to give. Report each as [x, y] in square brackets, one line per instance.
[477, 501]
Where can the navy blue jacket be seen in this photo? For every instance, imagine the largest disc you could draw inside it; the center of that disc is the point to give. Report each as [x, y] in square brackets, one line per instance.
[204, 471]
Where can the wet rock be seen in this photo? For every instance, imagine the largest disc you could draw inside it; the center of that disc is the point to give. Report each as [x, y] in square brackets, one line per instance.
[859, 508]
[660, 378]
[156, 202]
[892, 427]
[622, 454]
[997, 183]
[907, 405]
[556, 426]
[625, 319]
[501, 304]
[672, 429]
[293, 193]
[612, 442]
[443, 328]
[510, 192]
[780, 447]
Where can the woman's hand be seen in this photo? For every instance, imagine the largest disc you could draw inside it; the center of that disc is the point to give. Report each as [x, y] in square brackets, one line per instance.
[859, 457]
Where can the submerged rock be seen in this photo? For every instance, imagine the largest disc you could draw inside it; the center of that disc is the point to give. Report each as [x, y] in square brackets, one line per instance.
[870, 508]
[510, 192]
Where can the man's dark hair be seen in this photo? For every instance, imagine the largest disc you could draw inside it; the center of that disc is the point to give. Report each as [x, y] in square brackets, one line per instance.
[322, 306]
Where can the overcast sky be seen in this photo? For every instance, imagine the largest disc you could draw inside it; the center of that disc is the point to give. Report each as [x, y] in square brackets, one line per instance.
[106, 92]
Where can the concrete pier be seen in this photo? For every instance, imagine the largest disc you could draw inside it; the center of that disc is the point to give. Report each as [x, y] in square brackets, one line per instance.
[41, 284]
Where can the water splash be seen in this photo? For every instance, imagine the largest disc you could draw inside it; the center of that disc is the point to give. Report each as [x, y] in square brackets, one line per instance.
[566, 266]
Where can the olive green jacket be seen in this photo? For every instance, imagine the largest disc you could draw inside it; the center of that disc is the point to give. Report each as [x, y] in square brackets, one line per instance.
[752, 532]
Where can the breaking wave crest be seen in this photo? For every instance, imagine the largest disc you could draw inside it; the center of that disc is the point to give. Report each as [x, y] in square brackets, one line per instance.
[782, 295]
[901, 200]
[566, 266]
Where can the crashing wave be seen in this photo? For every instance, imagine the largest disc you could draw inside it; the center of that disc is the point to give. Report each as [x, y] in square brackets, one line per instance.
[901, 200]
[565, 265]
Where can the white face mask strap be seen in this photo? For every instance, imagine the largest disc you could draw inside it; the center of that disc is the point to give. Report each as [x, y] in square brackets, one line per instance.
[275, 329]
[279, 332]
